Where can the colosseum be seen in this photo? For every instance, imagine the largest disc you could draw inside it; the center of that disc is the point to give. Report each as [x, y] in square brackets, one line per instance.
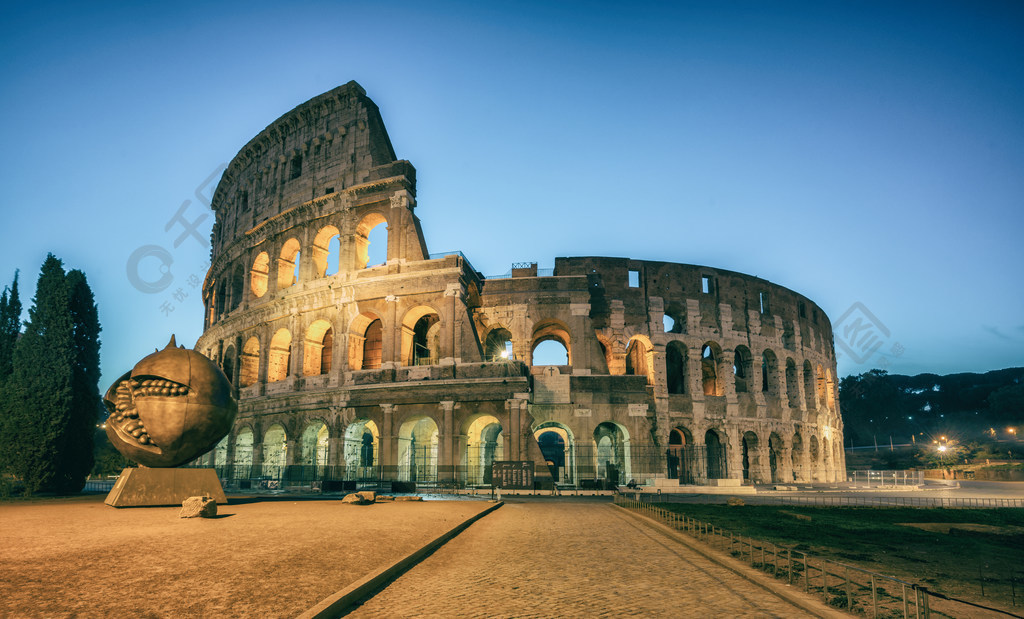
[352, 363]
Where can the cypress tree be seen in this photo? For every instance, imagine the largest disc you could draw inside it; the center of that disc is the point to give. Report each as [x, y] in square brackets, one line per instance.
[10, 326]
[77, 453]
[40, 389]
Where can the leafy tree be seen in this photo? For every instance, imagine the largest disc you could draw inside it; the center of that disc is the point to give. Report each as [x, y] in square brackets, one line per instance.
[51, 401]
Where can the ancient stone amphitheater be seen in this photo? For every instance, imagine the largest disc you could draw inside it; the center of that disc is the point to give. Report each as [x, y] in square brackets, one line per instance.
[415, 367]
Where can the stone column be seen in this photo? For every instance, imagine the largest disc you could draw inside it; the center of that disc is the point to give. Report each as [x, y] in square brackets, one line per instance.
[388, 442]
[446, 466]
[392, 344]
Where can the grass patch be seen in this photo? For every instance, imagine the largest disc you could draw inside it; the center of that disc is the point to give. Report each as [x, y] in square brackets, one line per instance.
[959, 563]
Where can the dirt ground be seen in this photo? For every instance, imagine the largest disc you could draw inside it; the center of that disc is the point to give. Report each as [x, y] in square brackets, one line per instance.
[259, 557]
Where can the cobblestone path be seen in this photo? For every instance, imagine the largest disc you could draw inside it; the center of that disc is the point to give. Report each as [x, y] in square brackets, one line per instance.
[569, 559]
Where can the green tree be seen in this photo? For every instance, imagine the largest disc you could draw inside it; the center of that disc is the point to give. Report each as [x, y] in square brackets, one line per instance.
[10, 327]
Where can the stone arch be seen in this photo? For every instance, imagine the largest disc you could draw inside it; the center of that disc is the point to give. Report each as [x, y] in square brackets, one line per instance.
[639, 358]
[815, 459]
[326, 251]
[243, 449]
[498, 345]
[742, 369]
[275, 451]
[318, 348]
[612, 452]
[421, 336]
[792, 384]
[681, 456]
[227, 363]
[484, 444]
[751, 457]
[715, 455]
[417, 449]
[220, 297]
[219, 455]
[769, 373]
[313, 444]
[367, 225]
[674, 319]
[776, 448]
[259, 275]
[711, 368]
[279, 356]
[362, 446]
[558, 448]
[288, 264]
[676, 358]
[249, 372]
[809, 386]
[551, 330]
[797, 458]
[365, 342]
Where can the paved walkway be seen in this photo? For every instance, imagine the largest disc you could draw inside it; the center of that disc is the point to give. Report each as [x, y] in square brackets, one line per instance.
[569, 559]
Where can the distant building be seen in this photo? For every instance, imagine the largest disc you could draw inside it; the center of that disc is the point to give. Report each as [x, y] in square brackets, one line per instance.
[421, 369]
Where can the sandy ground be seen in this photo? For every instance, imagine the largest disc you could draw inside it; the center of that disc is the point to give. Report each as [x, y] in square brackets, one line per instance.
[265, 558]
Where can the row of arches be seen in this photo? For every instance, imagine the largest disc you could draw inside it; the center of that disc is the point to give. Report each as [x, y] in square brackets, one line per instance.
[370, 243]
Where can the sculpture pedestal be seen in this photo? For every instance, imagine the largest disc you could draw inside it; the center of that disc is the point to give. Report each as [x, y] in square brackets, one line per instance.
[145, 487]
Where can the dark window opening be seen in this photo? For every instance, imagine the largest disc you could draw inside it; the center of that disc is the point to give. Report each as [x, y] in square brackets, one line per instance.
[329, 190]
[705, 284]
[764, 303]
[296, 167]
[634, 279]
[801, 309]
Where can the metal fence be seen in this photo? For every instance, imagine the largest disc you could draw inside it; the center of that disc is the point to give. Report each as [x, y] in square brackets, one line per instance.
[838, 584]
[882, 479]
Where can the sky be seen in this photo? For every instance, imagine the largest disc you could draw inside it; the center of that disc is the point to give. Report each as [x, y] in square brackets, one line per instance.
[868, 155]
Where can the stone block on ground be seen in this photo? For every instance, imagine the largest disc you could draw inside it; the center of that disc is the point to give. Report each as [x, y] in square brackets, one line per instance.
[408, 498]
[355, 499]
[369, 495]
[198, 507]
[384, 497]
[735, 501]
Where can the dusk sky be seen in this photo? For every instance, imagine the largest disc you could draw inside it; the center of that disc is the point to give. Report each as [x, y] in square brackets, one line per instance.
[868, 155]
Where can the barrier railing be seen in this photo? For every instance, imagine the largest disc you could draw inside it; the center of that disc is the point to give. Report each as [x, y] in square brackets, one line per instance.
[838, 584]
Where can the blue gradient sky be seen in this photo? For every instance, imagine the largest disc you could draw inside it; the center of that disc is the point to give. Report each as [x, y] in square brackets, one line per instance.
[854, 152]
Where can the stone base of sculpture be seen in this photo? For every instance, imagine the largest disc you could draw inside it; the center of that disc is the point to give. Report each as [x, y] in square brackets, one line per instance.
[146, 487]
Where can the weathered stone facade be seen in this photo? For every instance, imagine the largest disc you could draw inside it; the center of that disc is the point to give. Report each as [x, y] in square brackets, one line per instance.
[422, 369]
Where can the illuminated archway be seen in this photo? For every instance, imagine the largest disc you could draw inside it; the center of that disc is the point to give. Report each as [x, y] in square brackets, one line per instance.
[558, 449]
[249, 372]
[484, 444]
[325, 252]
[417, 450]
[288, 264]
[368, 241]
[317, 349]
[362, 446]
[259, 274]
[275, 451]
[279, 356]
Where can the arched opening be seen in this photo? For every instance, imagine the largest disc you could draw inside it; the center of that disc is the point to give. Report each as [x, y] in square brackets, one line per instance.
[711, 377]
[243, 452]
[675, 367]
[279, 356]
[237, 286]
[227, 363]
[792, 384]
[484, 445]
[220, 455]
[326, 251]
[742, 368]
[751, 459]
[371, 241]
[317, 349]
[288, 264]
[557, 353]
[682, 456]
[715, 455]
[612, 457]
[249, 372]
[797, 458]
[313, 446]
[275, 451]
[558, 450]
[421, 335]
[826, 460]
[809, 386]
[830, 391]
[259, 275]
[498, 345]
[775, 457]
[417, 450]
[362, 444]
[769, 373]
[219, 298]
[639, 354]
[674, 319]
[365, 342]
